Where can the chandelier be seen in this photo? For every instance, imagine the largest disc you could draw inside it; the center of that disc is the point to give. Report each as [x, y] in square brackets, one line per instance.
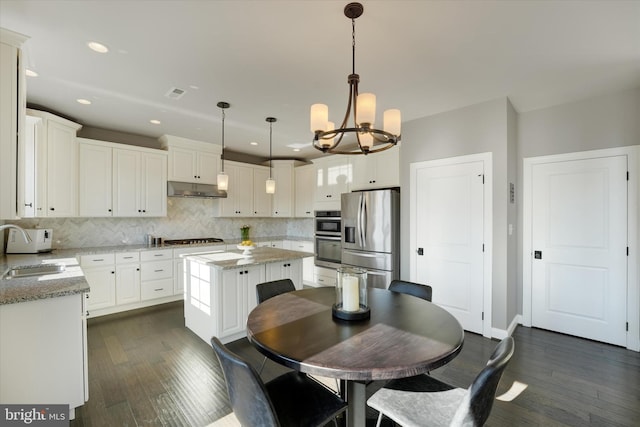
[370, 140]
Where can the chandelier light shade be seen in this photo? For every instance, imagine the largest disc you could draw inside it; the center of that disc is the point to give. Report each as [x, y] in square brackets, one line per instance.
[223, 178]
[270, 184]
[370, 139]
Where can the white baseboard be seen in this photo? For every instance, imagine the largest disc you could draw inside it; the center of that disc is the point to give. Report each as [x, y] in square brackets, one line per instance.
[501, 333]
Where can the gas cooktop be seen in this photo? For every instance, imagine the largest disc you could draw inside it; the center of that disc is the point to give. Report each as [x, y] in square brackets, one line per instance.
[193, 241]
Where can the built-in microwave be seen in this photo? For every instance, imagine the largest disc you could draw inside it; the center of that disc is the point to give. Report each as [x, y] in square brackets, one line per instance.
[328, 222]
[328, 239]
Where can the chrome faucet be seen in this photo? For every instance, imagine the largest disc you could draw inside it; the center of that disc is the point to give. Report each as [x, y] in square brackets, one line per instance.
[24, 233]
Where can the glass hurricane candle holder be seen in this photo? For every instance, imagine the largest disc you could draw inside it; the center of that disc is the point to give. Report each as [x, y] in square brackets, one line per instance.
[351, 294]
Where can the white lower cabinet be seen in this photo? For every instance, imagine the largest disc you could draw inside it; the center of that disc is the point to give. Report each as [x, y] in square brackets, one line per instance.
[100, 272]
[43, 352]
[127, 277]
[324, 276]
[307, 263]
[156, 274]
[291, 269]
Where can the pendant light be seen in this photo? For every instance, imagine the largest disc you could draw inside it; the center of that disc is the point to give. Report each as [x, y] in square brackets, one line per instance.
[270, 183]
[223, 178]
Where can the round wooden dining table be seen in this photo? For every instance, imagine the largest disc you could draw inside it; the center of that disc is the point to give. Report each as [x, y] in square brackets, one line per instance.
[404, 336]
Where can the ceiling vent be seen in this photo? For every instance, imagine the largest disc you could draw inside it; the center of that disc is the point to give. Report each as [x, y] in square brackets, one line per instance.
[175, 93]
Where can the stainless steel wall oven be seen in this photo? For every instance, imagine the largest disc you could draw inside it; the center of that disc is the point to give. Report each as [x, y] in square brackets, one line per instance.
[328, 239]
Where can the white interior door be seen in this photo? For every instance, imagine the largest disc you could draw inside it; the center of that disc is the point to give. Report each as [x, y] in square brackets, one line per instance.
[449, 221]
[579, 240]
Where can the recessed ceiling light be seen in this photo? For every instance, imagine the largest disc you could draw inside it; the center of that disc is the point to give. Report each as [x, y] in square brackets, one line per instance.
[253, 143]
[296, 149]
[30, 73]
[155, 122]
[83, 101]
[98, 47]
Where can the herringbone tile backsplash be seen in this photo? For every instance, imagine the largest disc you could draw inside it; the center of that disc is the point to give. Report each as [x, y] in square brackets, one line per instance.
[186, 218]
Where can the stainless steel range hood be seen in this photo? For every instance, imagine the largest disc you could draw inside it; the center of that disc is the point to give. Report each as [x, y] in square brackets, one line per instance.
[188, 189]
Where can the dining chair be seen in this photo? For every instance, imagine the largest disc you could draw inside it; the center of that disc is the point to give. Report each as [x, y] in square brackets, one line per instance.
[411, 288]
[267, 290]
[423, 400]
[292, 399]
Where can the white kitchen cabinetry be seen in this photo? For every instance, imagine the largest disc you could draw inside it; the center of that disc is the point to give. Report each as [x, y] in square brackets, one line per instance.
[333, 177]
[305, 190]
[100, 273]
[291, 269]
[283, 174]
[57, 166]
[307, 263]
[96, 178]
[127, 277]
[27, 167]
[381, 170]
[218, 302]
[270, 244]
[324, 276]
[139, 182]
[192, 161]
[43, 352]
[246, 195]
[156, 274]
[12, 106]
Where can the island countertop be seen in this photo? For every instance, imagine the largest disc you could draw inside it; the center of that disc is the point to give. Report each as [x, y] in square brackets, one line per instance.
[234, 259]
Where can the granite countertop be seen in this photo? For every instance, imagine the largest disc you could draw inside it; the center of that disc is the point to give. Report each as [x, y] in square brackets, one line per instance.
[234, 259]
[72, 280]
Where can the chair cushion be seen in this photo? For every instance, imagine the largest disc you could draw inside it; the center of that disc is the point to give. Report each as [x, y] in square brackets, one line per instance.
[301, 401]
[418, 409]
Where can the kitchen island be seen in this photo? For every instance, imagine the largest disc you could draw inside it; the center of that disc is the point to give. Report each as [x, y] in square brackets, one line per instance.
[220, 288]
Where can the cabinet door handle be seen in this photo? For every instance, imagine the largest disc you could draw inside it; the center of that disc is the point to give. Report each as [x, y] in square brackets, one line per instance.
[158, 271]
[99, 259]
[29, 204]
[137, 269]
[242, 272]
[128, 257]
[52, 209]
[158, 255]
[113, 272]
[109, 210]
[158, 289]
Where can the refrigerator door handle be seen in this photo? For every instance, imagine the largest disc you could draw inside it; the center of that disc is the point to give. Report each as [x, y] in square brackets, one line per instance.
[364, 220]
[361, 220]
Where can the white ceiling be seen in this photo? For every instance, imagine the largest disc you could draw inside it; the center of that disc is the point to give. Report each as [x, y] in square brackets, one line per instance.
[276, 58]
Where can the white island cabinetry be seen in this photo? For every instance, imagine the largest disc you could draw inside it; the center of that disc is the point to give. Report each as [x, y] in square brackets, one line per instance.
[220, 288]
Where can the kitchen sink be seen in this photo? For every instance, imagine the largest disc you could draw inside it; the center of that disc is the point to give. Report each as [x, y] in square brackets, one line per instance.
[33, 270]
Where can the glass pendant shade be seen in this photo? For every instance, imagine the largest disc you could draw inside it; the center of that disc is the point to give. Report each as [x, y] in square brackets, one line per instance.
[366, 108]
[391, 121]
[223, 181]
[319, 117]
[366, 141]
[270, 186]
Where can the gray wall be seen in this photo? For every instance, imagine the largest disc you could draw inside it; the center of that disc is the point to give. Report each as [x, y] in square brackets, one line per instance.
[475, 129]
[608, 121]
[611, 120]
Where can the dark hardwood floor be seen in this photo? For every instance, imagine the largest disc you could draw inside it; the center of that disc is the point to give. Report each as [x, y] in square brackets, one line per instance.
[147, 369]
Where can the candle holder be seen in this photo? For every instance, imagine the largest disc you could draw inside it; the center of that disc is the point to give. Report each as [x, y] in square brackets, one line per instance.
[351, 294]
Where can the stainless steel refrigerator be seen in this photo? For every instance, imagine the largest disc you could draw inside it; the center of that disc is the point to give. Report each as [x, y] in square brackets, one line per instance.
[371, 234]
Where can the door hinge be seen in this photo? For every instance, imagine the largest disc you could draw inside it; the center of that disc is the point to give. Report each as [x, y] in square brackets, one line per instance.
[483, 247]
[483, 315]
[627, 175]
[627, 250]
[627, 327]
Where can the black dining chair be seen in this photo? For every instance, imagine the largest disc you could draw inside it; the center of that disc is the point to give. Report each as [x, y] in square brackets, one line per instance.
[267, 290]
[292, 399]
[423, 400]
[411, 288]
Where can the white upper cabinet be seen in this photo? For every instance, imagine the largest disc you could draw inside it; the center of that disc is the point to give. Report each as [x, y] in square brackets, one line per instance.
[192, 161]
[305, 190]
[334, 176]
[56, 166]
[139, 182]
[12, 105]
[96, 178]
[283, 206]
[246, 195]
[381, 170]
